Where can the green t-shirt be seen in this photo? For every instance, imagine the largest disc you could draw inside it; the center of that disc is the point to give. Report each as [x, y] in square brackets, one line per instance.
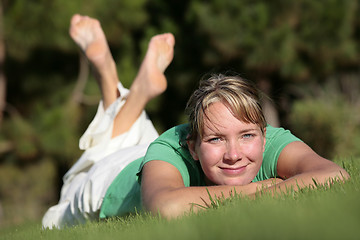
[123, 195]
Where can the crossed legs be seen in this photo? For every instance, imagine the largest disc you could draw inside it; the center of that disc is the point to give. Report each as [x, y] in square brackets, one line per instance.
[149, 82]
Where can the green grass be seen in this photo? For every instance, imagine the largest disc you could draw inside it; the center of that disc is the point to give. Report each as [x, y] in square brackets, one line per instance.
[331, 212]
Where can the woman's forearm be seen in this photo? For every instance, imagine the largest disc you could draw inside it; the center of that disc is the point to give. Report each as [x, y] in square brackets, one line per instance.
[309, 179]
[175, 202]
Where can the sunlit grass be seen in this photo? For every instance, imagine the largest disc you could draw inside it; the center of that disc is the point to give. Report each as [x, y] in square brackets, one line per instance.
[328, 212]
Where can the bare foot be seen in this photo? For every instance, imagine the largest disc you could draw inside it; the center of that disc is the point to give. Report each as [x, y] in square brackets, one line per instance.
[89, 36]
[151, 81]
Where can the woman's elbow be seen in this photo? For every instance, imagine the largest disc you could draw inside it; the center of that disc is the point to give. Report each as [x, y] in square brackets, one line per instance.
[343, 174]
[165, 207]
[336, 173]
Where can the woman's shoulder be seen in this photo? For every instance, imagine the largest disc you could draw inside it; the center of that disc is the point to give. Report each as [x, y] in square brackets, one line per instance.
[170, 144]
[175, 136]
[279, 132]
[276, 139]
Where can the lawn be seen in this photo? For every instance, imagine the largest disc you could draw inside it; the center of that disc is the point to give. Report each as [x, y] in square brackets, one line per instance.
[328, 212]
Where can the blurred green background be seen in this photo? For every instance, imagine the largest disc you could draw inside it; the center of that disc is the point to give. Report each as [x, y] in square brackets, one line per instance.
[304, 55]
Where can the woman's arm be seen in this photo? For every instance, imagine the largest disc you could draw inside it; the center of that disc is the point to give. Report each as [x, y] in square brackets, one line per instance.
[300, 166]
[163, 190]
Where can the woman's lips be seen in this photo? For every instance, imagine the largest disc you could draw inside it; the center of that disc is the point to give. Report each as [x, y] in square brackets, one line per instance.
[233, 170]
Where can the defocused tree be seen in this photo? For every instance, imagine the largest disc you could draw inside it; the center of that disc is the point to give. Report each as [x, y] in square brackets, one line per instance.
[2, 61]
[283, 36]
[287, 41]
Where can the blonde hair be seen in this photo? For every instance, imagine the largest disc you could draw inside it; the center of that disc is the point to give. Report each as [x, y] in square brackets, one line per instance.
[239, 95]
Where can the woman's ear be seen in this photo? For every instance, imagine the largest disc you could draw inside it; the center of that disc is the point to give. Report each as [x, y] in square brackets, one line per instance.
[191, 145]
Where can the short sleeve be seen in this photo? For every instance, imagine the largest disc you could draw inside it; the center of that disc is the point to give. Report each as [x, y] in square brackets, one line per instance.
[163, 152]
[276, 140]
[171, 147]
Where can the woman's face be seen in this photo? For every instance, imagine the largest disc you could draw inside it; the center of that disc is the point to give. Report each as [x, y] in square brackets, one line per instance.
[230, 151]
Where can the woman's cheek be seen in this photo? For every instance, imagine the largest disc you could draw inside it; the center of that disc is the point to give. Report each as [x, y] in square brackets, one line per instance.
[211, 154]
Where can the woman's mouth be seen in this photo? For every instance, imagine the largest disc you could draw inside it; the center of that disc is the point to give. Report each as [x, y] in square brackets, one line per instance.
[233, 170]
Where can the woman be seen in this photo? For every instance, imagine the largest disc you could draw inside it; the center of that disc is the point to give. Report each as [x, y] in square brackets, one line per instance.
[227, 145]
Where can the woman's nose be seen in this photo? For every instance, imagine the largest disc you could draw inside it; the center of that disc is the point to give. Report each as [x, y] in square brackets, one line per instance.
[233, 152]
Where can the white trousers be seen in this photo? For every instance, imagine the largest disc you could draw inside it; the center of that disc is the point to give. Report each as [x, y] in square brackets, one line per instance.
[86, 182]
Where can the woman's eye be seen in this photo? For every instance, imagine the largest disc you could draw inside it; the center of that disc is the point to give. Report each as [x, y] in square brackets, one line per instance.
[215, 139]
[247, 135]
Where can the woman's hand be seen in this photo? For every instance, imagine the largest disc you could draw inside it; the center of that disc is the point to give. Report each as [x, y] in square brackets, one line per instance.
[268, 183]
